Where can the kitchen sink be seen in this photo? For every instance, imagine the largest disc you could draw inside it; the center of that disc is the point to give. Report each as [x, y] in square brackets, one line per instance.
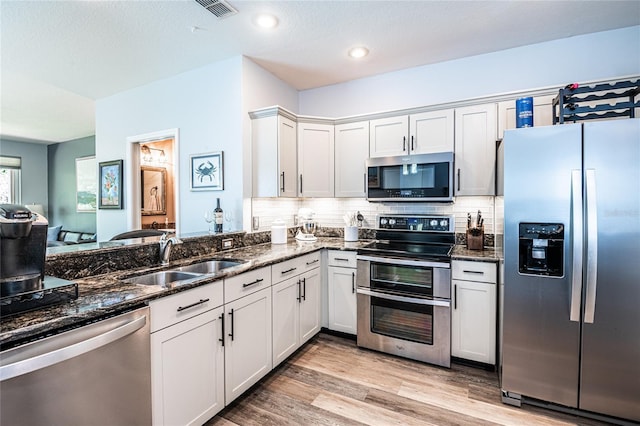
[184, 274]
[163, 278]
[210, 266]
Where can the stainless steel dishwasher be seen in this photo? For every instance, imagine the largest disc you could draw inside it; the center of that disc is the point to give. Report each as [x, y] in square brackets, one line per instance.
[99, 374]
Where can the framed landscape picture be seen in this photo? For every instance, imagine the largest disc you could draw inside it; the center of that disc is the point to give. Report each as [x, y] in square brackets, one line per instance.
[207, 172]
[110, 196]
[86, 184]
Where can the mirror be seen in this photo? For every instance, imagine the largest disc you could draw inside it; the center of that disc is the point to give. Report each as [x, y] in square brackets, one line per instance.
[153, 190]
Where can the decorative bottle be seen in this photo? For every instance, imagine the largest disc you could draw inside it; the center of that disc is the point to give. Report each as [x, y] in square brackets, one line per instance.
[218, 216]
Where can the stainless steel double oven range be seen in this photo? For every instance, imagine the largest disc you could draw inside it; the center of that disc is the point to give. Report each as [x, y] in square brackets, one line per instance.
[404, 288]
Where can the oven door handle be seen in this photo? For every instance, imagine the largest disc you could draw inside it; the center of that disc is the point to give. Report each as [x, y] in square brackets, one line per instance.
[405, 262]
[414, 300]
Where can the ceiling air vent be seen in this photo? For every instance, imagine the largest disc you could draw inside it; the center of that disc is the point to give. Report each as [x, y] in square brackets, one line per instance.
[220, 8]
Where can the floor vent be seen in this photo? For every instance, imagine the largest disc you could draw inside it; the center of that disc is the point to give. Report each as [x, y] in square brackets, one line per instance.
[220, 8]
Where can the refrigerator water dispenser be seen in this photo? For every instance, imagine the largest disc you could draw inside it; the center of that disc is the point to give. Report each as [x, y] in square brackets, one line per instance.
[541, 249]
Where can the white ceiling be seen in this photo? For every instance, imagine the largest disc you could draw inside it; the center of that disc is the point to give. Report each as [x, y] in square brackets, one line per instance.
[58, 57]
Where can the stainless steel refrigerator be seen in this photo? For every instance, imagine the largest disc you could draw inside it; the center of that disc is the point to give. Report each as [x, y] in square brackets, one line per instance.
[572, 267]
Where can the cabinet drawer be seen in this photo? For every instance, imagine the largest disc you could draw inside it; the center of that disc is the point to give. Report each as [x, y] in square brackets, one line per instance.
[287, 269]
[346, 259]
[290, 268]
[247, 283]
[179, 307]
[310, 261]
[474, 271]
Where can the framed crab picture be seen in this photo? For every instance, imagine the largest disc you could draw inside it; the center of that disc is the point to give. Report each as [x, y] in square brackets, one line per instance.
[207, 172]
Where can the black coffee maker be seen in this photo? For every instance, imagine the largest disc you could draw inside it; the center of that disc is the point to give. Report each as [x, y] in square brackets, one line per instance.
[23, 248]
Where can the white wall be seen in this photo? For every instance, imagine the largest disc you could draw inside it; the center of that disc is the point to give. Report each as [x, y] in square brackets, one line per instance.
[205, 104]
[260, 89]
[604, 55]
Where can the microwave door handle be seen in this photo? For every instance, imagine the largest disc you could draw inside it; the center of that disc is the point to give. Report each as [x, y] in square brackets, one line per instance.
[592, 247]
[576, 223]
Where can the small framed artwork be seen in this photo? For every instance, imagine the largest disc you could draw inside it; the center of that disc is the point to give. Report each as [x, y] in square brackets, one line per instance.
[110, 196]
[86, 182]
[207, 172]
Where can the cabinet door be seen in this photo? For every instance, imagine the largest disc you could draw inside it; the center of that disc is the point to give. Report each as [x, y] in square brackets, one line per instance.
[315, 159]
[351, 152]
[274, 158]
[431, 132]
[187, 364]
[287, 158]
[542, 113]
[311, 305]
[475, 149]
[342, 299]
[247, 342]
[388, 136]
[286, 301]
[473, 321]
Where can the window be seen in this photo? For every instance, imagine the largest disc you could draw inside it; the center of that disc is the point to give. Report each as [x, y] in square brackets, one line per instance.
[10, 179]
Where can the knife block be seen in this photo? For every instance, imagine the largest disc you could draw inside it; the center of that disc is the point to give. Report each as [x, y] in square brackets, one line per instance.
[475, 238]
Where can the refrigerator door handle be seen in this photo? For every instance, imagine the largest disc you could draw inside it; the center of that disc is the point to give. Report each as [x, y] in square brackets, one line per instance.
[576, 222]
[592, 247]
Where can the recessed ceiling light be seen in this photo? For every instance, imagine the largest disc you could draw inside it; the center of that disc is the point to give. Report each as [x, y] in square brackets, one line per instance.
[266, 21]
[358, 52]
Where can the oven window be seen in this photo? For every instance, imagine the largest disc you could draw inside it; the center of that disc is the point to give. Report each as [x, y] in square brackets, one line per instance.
[402, 279]
[402, 320]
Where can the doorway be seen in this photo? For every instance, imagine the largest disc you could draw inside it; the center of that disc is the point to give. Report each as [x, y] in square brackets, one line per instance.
[153, 174]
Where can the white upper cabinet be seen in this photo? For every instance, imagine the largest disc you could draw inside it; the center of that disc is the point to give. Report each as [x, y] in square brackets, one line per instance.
[475, 149]
[315, 160]
[388, 136]
[274, 151]
[542, 113]
[421, 133]
[431, 132]
[351, 153]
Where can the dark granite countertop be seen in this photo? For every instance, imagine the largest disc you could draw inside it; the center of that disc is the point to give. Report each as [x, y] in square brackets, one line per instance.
[489, 254]
[105, 295]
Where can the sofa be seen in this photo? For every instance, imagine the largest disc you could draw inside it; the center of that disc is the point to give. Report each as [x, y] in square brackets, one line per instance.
[56, 236]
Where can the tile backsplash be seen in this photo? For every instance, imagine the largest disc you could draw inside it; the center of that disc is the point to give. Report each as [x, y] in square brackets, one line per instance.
[329, 211]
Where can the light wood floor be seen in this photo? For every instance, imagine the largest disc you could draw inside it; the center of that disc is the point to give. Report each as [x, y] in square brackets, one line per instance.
[330, 381]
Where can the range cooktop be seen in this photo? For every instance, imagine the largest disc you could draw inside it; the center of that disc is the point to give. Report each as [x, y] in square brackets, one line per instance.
[421, 236]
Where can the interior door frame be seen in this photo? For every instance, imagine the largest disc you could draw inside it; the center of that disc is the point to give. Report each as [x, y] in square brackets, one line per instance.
[134, 219]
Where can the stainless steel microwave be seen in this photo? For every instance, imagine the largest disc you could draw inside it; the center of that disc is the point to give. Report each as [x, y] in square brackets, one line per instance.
[422, 177]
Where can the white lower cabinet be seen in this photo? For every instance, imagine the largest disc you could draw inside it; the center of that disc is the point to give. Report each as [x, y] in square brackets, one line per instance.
[310, 306]
[247, 342]
[342, 291]
[286, 325]
[187, 357]
[296, 312]
[473, 317]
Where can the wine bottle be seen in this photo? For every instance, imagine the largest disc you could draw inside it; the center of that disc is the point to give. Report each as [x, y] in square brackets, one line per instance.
[218, 216]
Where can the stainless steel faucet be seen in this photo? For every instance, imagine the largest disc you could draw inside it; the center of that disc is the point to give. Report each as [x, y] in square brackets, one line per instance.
[165, 248]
